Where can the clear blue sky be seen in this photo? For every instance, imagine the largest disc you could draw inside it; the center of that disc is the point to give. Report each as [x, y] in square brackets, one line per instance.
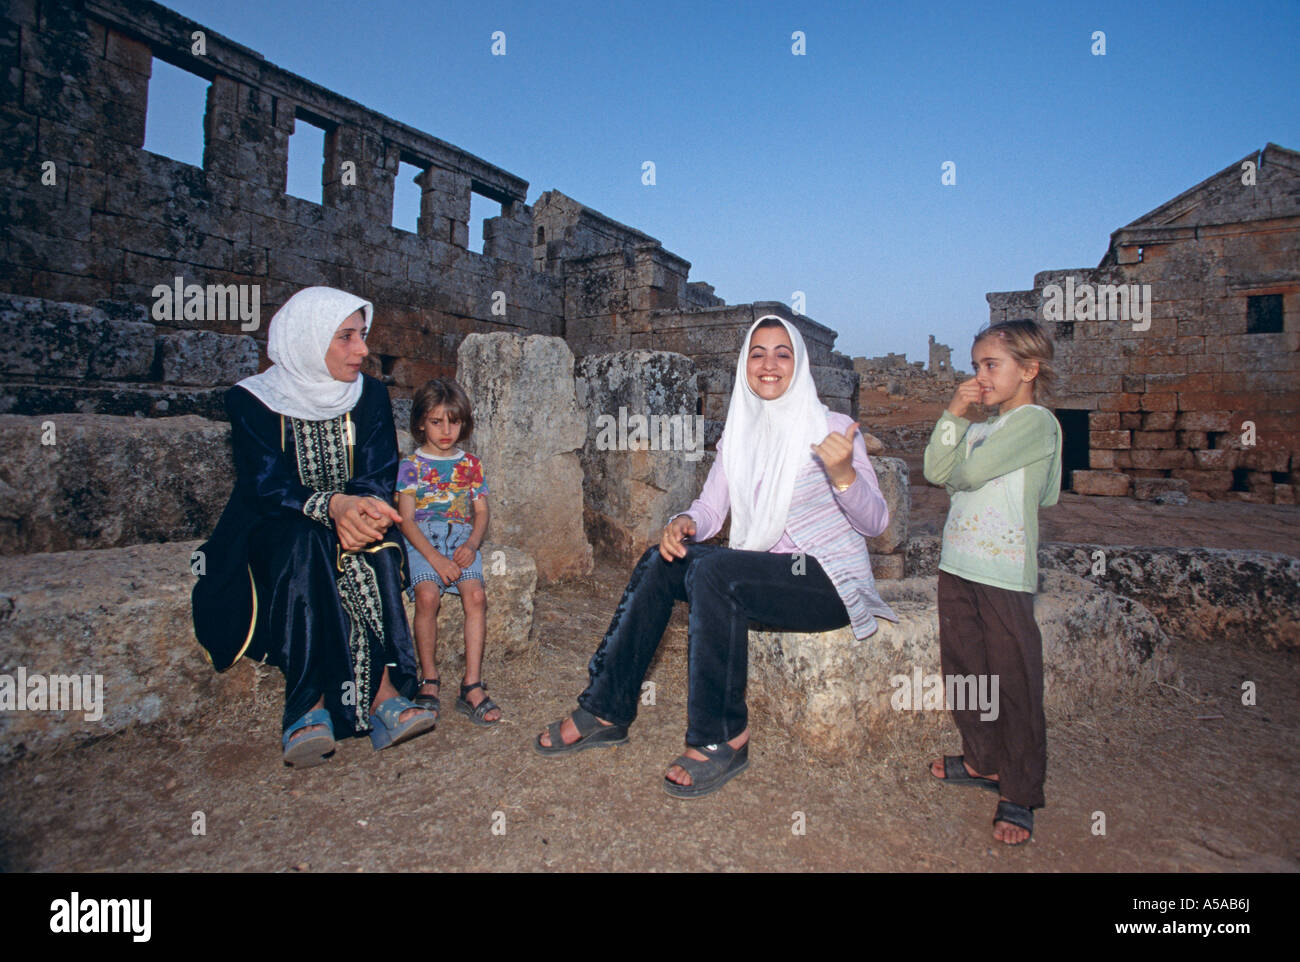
[821, 172]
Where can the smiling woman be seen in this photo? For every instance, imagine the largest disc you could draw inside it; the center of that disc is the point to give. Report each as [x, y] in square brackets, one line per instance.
[803, 498]
[301, 571]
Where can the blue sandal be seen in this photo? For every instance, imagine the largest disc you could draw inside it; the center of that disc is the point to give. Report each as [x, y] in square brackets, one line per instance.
[385, 728]
[310, 748]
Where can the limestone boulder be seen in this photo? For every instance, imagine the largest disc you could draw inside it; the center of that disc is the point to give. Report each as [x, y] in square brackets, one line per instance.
[839, 696]
[100, 481]
[643, 449]
[1249, 598]
[121, 615]
[528, 432]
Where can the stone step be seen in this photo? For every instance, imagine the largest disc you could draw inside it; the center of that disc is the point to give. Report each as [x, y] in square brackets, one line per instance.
[122, 616]
[839, 696]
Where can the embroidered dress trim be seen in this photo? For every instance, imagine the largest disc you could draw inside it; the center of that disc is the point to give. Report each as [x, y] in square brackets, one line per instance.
[359, 593]
[317, 507]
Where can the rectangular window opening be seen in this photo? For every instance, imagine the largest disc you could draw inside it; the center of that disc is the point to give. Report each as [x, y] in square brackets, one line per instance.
[306, 160]
[406, 197]
[481, 208]
[1264, 314]
[173, 122]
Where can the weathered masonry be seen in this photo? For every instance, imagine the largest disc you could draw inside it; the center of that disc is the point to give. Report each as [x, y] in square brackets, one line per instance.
[97, 220]
[1180, 351]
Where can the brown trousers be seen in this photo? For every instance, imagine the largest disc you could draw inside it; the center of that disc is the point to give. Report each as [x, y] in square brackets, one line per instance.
[986, 631]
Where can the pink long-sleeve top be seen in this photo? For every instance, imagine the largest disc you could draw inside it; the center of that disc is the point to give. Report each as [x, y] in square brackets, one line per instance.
[862, 503]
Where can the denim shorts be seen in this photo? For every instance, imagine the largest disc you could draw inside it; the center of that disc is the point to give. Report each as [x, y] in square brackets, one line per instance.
[446, 537]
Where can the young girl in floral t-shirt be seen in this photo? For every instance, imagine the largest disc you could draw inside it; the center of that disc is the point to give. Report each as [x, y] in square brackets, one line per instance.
[442, 499]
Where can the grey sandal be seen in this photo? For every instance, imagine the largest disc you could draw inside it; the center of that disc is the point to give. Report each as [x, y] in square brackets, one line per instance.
[591, 734]
[954, 773]
[724, 764]
[476, 712]
[1016, 815]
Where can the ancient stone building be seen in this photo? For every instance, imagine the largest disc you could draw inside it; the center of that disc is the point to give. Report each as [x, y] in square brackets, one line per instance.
[1179, 350]
[95, 219]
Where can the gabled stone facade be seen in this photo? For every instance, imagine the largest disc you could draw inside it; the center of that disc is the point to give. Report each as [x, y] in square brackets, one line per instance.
[1194, 388]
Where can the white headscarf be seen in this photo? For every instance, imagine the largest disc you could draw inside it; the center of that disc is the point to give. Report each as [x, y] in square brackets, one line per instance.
[767, 443]
[298, 384]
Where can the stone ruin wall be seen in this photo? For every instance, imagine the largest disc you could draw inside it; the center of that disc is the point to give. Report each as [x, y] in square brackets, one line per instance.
[894, 376]
[120, 220]
[1166, 406]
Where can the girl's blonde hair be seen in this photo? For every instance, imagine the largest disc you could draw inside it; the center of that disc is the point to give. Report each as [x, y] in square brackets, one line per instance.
[1025, 340]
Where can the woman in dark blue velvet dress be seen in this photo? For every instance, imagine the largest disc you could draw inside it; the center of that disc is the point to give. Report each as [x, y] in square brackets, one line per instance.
[301, 570]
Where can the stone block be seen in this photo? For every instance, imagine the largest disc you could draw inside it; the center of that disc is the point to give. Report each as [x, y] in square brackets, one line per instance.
[57, 339]
[1101, 483]
[1249, 599]
[839, 696]
[892, 476]
[1103, 421]
[1204, 421]
[110, 481]
[1192, 440]
[1156, 421]
[1153, 439]
[206, 358]
[643, 445]
[1207, 480]
[1101, 460]
[1216, 459]
[1161, 460]
[1130, 421]
[134, 632]
[1110, 440]
[528, 432]
[1160, 490]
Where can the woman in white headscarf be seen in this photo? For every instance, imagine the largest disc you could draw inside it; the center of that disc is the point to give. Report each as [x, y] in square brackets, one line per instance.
[300, 571]
[803, 498]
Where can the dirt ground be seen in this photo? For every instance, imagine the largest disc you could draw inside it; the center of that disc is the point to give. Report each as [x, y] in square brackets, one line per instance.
[1188, 779]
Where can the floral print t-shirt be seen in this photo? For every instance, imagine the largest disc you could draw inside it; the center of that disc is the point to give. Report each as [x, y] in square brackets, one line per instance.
[443, 487]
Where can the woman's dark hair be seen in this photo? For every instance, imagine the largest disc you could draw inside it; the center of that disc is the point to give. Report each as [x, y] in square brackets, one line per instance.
[441, 392]
[769, 322]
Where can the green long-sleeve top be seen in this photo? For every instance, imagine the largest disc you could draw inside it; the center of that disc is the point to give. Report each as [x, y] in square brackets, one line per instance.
[997, 474]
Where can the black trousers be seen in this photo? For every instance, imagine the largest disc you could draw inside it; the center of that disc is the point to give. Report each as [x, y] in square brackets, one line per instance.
[987, 631]
[726, 589]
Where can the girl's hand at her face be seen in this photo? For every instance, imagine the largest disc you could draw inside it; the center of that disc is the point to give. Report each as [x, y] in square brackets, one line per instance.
[670, 545]
[360, 521]
[968, 393]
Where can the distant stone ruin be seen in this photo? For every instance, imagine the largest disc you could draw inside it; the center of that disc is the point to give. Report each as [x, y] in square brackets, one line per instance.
[894, 376]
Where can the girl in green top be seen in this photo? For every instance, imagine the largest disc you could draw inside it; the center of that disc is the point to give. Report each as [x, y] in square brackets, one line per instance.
[997, 473]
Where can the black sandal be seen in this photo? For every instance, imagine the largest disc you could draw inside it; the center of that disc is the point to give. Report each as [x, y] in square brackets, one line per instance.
[476, 712]
[724, 763]
[591, 734]
[1017, 815]
[954, 773]
[429, 702]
